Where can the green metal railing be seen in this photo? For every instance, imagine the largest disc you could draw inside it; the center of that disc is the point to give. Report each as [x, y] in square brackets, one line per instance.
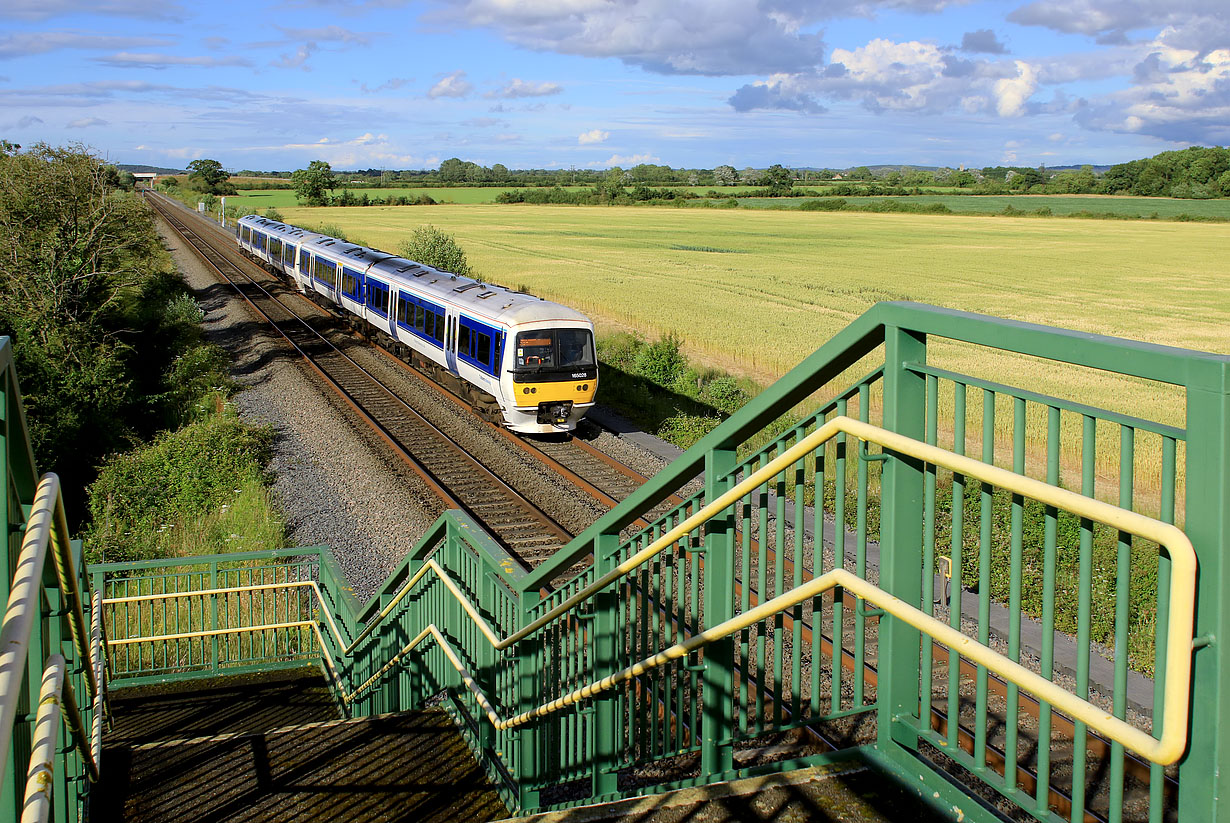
[1022, 566]
[51, 676]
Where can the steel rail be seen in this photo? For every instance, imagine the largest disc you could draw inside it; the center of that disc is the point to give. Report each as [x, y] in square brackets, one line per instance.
[437, 484]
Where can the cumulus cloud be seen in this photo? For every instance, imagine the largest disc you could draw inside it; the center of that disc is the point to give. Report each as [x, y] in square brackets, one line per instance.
[1179, 95]
[1199, 25]
[593, 136]
[86, 122]
[782, 91]
[130, 60]
[1012, 93]
[27, 43]
[983, 41]
[520, 88]
[451, 85]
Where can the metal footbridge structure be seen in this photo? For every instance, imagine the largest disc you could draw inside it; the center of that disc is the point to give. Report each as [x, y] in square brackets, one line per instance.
[855, 587]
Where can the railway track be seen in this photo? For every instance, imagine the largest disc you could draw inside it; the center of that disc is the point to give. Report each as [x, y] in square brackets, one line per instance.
[457, 477]
[607, 481]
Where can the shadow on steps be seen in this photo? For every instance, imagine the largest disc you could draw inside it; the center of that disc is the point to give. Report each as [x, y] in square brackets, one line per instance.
[210, 755]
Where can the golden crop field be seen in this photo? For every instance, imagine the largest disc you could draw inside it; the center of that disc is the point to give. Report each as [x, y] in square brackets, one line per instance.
[756, 291]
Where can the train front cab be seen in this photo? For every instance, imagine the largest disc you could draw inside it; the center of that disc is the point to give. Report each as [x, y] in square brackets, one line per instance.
[552, 378]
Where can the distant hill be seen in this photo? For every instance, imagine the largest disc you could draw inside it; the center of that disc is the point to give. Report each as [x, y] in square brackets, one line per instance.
[134, 168]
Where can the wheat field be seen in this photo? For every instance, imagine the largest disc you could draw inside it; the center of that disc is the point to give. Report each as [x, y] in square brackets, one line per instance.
[756, 291]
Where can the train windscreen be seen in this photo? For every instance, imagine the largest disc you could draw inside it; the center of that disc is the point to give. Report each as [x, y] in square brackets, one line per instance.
[554, 349]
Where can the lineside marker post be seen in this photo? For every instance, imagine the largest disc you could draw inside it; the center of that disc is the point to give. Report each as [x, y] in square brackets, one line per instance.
[717, 726]
[901, 517]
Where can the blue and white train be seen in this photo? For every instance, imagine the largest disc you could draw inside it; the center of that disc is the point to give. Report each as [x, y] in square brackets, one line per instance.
[519, 359]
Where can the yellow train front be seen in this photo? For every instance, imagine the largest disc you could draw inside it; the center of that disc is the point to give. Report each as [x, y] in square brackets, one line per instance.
[550, 375]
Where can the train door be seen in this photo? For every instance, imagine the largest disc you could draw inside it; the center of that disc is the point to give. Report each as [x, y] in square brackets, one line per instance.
[450, 340]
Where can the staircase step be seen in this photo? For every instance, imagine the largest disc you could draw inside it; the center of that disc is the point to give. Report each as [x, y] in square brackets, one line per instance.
[227, 761]
[842, 792]
[236, 704]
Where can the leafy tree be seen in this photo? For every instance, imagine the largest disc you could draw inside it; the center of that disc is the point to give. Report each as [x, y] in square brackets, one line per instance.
[9, 148]
[208, 176]
[499, 173]
[312, 183]
[433, 247]
[778, 179]
[725, 175]
[661, 362]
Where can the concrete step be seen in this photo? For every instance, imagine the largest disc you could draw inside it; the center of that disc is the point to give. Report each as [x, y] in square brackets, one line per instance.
[169, 759]
[846, 792]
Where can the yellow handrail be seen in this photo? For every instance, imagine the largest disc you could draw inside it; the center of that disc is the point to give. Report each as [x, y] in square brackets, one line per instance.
[46, 526]
[1165, 749]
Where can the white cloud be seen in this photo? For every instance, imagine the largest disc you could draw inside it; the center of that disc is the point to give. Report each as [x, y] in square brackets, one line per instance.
[632, 159]
[148, 60]
[1178, 95]
[451, 85]
[520, 88]
[593, 136]
[86, 122]
[140, 9]
[1012, 93]
[26, 43]
[296, 60]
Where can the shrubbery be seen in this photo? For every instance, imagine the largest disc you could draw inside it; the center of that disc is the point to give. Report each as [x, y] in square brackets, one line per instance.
[438, 249]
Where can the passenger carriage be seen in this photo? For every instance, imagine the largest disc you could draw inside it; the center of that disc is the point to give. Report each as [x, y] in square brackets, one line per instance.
[523, 360]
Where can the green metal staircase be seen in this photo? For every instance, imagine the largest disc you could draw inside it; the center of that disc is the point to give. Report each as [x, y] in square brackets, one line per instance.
[725, 642]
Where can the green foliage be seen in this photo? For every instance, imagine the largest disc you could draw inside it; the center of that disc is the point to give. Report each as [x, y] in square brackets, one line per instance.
[724, 394]
[209, 177]
[274, 214]
[661, 362]
[185, 482]
[1196, 172]
[778, 180]
[685, 429]
[312, 183]
[620, 350]
[433, 247]
[333, 230]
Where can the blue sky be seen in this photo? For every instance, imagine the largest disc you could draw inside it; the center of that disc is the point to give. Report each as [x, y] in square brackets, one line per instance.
[600, 83]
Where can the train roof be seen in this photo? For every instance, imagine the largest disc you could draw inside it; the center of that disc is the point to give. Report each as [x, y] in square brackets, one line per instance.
[498, 303]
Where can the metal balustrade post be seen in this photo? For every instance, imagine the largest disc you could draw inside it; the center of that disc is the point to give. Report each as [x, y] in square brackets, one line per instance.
[213, 617]
[901, 519]
[1204, 773]
[717, 722]
[528, 679]
[606, 643]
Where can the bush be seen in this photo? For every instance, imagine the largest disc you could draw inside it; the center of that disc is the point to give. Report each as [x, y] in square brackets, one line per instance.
[620, 350]
[333, 230]
[274, 214]
[724, 394]
[433, 247]
[685, 429]
[184, 480]
[661, 362]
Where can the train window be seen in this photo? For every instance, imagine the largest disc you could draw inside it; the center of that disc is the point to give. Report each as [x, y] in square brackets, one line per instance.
[536, 348]
[245, 233]
[429, 324]
[439, 335]
[305, 261]
[463, 341]
[401, 308]
[482, 346]
[275, 247]
[288, 254]
[418, 317]
[576, 347]
[350, 282]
